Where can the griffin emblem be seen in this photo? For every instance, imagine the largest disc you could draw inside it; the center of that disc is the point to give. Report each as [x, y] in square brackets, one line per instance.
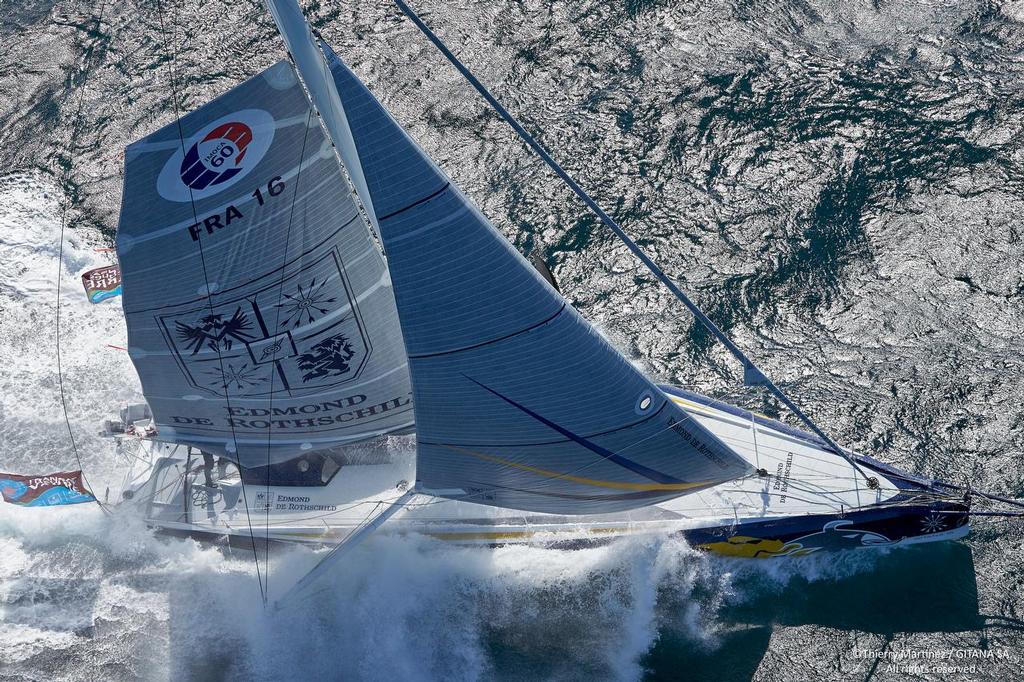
[327, 358]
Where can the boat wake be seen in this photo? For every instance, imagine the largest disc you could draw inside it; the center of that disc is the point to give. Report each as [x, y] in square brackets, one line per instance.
[97, 378]
[84, 592]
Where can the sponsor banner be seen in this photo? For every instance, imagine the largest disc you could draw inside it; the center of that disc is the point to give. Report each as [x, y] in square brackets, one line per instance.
[102, 283]
[63, 487]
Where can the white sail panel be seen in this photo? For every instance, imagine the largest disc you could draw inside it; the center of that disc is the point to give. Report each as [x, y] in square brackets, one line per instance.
[260, 313]
[519, 402]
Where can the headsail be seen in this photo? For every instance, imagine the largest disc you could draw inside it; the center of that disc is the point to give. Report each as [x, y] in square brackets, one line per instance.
[519, 402]
[260, 313]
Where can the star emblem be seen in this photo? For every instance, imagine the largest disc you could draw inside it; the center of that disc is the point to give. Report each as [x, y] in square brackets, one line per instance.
[239, 377]
[303, 306]
[933, 523]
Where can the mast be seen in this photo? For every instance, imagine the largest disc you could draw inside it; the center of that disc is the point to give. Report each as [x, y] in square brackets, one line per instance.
[316, 76]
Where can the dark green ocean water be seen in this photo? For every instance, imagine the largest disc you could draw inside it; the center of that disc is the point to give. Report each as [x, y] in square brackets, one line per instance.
[839, 184]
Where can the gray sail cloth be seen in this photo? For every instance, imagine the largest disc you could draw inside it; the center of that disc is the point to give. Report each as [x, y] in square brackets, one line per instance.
[519, 402]
[298, 347]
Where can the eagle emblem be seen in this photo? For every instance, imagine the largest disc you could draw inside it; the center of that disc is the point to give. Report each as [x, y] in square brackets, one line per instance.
[216, 332]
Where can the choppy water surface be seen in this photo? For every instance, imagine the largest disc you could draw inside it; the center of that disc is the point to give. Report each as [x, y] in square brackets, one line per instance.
[839, 183]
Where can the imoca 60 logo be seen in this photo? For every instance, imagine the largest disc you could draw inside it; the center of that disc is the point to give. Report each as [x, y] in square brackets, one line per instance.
[220, 154]
[218, 157]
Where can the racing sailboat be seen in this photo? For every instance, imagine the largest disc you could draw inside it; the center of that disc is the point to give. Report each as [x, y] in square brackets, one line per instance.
[304, 288]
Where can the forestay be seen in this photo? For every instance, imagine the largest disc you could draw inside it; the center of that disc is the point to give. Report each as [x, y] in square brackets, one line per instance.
[260, 313]
[519, 402]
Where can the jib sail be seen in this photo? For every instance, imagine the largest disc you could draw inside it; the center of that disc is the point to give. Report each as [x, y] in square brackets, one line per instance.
[260, 312]
[519, 402]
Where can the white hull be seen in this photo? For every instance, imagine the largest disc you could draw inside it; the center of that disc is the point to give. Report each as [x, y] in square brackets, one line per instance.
[812, 498]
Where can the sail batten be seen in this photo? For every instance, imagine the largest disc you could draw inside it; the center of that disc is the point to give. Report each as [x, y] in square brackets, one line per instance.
[519, 402]
[260, 313]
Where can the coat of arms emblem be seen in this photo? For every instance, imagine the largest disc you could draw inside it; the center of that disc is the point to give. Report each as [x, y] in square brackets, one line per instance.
[292, 335]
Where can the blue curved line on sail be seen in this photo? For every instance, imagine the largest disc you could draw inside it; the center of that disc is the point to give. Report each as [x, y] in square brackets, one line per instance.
[623, 462]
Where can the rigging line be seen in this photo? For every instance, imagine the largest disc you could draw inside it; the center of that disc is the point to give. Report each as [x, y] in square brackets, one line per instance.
[738, 441]
[751, 374]
[206, 280]
[988, 496]
[805, 456]
[76, 129]
[1006, 514]
[273, 361]
[775, 448]
[366, 519]
[757, 452]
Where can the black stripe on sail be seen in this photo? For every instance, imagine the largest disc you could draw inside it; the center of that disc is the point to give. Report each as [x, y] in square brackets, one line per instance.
[623, 462]
[490, 341]
[417, 202]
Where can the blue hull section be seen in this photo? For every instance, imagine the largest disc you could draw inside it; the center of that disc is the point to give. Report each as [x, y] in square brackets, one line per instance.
[802, 535]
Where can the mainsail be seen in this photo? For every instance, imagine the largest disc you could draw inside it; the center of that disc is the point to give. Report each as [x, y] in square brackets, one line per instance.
[519, 402]
[260, 313]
